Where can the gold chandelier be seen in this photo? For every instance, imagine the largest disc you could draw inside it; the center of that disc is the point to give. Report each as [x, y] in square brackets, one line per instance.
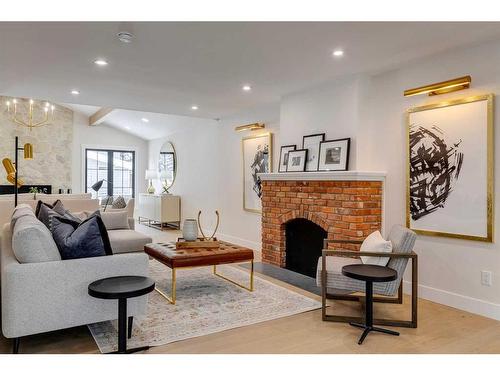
[29, 116]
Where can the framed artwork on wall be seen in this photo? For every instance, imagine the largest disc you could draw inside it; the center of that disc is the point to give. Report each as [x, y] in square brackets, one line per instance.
[450, 169]
[334, 155]
[284, 156]
[297, 161]
[257, 158]
[311, 143]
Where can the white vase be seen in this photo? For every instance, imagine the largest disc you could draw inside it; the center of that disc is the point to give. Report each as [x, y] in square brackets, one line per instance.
[190, 230]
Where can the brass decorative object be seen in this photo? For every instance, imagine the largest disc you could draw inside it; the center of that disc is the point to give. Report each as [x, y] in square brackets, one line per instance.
[9, 166]
[28, 151]
[212, 237]
[12, 167]
[32, 118]
[439, 88]
[255, 126]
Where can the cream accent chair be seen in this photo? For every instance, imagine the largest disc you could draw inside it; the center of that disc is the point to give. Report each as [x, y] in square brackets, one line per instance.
[130, 207]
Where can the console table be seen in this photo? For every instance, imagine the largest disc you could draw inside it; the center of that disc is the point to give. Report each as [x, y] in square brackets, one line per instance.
[160, 208]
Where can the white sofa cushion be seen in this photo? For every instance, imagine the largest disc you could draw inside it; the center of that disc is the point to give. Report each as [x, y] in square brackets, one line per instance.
[127, 240]
[375, 243]
[115, 219]
[32, 241]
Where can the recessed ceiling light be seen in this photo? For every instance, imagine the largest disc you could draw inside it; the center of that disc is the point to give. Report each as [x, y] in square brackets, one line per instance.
[125, 36]
[75, 92]
[144, 119]
[338, 53]
[246, 88]
[101, 62]
[194, 107]
[127, 127]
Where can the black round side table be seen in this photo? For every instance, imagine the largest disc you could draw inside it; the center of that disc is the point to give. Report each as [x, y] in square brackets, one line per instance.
[370, 274]
[121, 288]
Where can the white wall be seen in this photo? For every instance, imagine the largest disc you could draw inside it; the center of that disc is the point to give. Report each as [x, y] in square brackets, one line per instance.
[449, 268]
[105, 137]
[332, 109]
[197, 150]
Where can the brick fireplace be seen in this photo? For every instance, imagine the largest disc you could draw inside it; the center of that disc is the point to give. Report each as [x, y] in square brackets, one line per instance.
[346, 205]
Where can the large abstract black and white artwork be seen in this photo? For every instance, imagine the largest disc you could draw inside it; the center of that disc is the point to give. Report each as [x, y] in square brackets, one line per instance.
[449, 169]
[257, 158]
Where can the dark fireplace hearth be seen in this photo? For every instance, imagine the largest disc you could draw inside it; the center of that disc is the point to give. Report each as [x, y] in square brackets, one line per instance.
[304, 243]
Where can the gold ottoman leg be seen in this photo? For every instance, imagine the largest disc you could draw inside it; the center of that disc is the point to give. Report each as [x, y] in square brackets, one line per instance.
[170, 298]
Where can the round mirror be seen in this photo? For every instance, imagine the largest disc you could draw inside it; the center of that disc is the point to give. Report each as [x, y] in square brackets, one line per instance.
[167, 166]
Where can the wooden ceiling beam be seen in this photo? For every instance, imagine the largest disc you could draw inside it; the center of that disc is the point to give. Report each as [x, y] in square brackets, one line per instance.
[99, 117]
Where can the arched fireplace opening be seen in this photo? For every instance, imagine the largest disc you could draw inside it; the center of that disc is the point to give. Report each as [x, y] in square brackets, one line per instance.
[304, 243]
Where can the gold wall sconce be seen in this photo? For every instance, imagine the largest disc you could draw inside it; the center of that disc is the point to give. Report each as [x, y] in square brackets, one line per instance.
[255, 126]
[439, 88]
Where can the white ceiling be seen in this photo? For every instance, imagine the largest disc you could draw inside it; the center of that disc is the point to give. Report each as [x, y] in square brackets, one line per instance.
[158, 125]
[170, 66]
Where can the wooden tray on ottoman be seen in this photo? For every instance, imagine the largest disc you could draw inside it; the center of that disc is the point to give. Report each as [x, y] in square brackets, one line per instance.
[199, 243]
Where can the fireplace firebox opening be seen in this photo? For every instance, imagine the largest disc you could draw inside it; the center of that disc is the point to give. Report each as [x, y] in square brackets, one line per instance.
[304, 243]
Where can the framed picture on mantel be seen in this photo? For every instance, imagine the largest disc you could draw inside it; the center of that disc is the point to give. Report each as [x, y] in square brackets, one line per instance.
[297, 160]
[450, 169]
[334, 155]
[284, 157]
[311, 143]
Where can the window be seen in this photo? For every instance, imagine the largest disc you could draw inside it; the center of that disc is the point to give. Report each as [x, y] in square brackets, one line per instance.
[117, 167]
[166, 167]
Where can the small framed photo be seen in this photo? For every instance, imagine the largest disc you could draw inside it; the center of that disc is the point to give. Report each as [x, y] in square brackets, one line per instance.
[311, 144]
[334, 155]
[284, 156]
[296, 161]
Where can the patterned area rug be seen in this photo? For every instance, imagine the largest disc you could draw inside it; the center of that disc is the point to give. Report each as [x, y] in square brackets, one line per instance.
[205, 304]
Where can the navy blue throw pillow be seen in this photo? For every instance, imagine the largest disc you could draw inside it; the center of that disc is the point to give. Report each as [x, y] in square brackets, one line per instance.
[80, 240]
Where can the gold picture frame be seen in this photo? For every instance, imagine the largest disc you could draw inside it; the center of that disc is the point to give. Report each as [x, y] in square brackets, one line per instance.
[269, 137]
[489, 98]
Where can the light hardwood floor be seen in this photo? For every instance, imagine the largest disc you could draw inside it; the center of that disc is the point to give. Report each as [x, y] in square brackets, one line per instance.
[441, 330]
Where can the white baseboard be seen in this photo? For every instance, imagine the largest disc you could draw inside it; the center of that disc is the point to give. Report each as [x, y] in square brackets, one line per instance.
[458, 301]
[237, 240]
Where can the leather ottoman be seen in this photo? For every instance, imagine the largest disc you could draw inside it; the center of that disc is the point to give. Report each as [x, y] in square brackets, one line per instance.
[174, 258]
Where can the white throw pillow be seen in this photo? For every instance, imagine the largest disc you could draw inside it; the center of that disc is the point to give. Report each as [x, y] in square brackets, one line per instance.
[375, 243]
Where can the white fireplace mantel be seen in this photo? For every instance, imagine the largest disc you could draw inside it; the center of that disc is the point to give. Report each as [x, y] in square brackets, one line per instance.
[325, 176]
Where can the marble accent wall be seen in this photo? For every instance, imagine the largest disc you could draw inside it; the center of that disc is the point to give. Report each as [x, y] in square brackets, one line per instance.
[52, 143]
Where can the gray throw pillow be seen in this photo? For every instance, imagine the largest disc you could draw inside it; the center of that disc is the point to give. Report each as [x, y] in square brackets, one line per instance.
[45, 212]
[32, 241]
[81, 240]
[119, 202]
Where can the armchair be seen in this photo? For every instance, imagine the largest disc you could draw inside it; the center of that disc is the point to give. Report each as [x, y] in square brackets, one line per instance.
[336, 286]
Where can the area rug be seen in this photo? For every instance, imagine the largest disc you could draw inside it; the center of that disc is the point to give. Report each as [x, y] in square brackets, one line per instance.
[205, 304]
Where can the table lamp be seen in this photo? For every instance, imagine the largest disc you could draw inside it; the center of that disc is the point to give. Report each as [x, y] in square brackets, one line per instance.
[151, 175]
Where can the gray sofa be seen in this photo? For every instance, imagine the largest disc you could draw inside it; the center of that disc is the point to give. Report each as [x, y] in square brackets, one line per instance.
[51, 295]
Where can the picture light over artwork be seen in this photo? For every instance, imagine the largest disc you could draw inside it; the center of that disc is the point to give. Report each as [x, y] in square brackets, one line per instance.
[439, 88]
[255, 126]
